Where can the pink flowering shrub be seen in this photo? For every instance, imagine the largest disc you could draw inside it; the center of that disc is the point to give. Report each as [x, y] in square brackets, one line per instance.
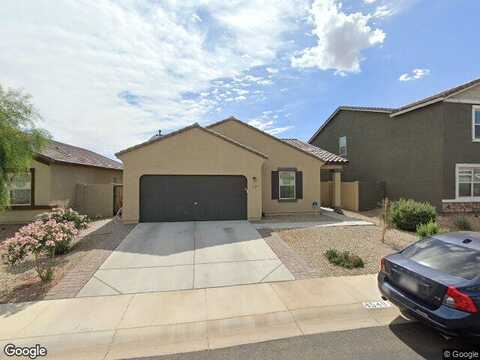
[66, 215]
[39, 239]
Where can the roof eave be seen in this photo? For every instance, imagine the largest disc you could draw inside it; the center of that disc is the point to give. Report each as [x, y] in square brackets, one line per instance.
[334, 162]
[418, 106]
[345, 108]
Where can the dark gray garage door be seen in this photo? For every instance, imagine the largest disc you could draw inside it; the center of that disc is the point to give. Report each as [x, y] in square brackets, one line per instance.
[195, 197]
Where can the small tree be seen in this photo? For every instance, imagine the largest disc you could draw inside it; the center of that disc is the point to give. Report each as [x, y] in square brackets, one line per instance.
[19, 138]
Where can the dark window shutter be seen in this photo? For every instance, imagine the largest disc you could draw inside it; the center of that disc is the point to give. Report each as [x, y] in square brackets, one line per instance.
[274, 185]
[299, 184]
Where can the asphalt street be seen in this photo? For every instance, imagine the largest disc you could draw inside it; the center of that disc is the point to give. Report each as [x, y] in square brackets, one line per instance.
[399, 342]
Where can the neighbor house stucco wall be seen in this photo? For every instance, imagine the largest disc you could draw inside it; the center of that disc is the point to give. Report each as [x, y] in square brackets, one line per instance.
[192, 152]
[280, 155]
[405, 151]
[95, 200]
[66, 177]
[55, 185]
[459, 147]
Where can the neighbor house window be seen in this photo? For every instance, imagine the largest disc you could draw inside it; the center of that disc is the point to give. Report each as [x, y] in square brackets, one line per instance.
[476, 123]
[468, 181]
[342, 146]
[286, 183]
[20, 187]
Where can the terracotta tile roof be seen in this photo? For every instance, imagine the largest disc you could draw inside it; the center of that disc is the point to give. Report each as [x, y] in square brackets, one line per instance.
[57, 152]
[323, 155]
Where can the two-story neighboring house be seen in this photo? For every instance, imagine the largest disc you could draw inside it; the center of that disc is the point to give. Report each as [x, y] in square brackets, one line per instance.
[428, 150]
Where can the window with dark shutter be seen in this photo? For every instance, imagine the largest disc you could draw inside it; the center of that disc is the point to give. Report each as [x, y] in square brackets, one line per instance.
[274, 185]
[299, 184]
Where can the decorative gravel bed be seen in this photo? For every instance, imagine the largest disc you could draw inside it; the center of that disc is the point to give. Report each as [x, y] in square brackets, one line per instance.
[364, 241]
[88, 252]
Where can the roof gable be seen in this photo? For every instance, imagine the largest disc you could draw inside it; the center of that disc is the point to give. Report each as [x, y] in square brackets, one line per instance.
[185, 129]
[263, 133]
[469, 95]
[349, 108]
[468, 92]
[441, 96]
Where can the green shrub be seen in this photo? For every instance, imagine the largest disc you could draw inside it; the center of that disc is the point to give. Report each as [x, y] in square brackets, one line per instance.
[66, 215]
[62, 247]
[344, 259]
[429, 229]
[408, 214]
[462, 223]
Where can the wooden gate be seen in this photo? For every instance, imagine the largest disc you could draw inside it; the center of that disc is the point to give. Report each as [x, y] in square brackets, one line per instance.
[117, 198]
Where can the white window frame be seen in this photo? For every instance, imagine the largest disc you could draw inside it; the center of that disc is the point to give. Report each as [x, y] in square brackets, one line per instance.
[294, 184]
[475, 108]
[458, 167]
[11, 176]
[340, 146]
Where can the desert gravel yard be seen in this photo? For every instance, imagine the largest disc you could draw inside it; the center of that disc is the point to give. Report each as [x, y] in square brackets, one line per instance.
[364, 241]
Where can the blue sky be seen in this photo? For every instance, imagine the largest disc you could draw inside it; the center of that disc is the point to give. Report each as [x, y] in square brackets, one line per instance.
[107, 74]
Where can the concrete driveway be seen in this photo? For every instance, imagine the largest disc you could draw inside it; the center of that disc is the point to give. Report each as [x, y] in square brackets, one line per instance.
[187, 255]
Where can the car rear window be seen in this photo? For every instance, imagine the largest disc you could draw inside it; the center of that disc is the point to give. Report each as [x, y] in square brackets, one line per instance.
[446, 257]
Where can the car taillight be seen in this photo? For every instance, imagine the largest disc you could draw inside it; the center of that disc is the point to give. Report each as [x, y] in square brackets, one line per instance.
[383, 267]
[459, 300]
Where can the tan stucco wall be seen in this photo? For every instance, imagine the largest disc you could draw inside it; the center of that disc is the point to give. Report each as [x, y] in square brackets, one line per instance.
[350, 195]
[193, 152]
[94, 200]
[66, 177]
[55, 184]
[19, 216]
[279, 156]
[43, 180]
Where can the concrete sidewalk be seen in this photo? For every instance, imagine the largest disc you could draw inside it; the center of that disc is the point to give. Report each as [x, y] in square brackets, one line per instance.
[138, 325]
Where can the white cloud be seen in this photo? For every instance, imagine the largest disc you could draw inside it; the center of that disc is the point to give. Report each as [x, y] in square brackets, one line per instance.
[265, 82]
[271, 70]
[341, 38]
[241, 91]
[383, 11]
[415, 74]
[268, 125]
[104, 74]
[369, 1]
[196, 18]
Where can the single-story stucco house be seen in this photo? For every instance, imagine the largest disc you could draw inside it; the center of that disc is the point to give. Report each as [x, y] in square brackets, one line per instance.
[67, 176]
[228, 170]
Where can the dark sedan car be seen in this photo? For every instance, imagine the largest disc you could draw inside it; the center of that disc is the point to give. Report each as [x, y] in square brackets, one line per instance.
[437, 281]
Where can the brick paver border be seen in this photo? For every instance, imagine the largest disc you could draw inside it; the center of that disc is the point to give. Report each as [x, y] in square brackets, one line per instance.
[108, 237]
[294, 263]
